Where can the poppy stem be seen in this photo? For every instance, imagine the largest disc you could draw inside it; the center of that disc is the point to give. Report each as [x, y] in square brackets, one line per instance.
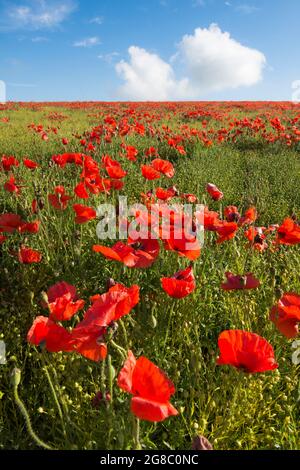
[52, 388]
[16, 377]
[124, 332]
[120, 350]
[136, 434]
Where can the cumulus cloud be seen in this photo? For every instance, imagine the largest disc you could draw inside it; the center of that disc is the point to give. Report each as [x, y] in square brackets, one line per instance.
[36, 14]
[88, 42]
[215, 61]
[211, 59]
[148, 77]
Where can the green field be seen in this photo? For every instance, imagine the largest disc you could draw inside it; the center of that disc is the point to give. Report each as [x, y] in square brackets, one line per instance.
[231, 408]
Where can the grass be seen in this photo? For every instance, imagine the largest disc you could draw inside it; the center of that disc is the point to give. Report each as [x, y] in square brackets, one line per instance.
[232, 409]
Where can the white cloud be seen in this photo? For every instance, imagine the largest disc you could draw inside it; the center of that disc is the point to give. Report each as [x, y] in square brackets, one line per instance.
[88, 42]
[97, 20]
[109, 57]
[148, 77]
[36, 14]
[39, 39]
[212, 61]
[215, 61]
[247, 9]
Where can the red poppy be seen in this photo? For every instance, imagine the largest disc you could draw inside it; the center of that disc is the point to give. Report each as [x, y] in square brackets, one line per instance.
[45, 332]
[135, 254]
[28, 255]
[83, 213]
[150, 173]
[81, 192]
[232, 214]
[150, 388]
[89, 342]
[11, 186]
[165, 194]
[30, 227]
[257, 238]
[249, 217]
[246, 351]
[113, 168]
[30, 164]
[111, 306]
[190, 198]
[214, 192]
[181, 284]
[233, 282]
[10, 222]
[8, 162]
[211, 219]
[163, 166]
[187, 246]
[286, 314]
[288, 233]
[60, 199]
[226, 231]
[62, 301]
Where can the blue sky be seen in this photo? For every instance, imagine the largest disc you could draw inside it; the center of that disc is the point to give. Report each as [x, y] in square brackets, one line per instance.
[149, 49]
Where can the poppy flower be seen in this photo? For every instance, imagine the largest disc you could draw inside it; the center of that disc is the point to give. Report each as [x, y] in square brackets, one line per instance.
[246, 351]
[135, 254]
[233, 282]
[150, 387]
[45, 332]
[190, 198]
[81, 192]
[210, 221]
[89, 342]
[286, 314]
[30, 164]
[232, 214]
[149, 172]
[288, 233]
[11, 186]
[181, 284]
[113, 168]
[163, 166]
[88, 335]
[30, 227]
[9, 222]
[214, 192]
[226, 231]
[9, 162]
[187, 246]
[83, 213]
[62, 301]
[165, 194]
[28, 255]
[249, 216]
[257, 238]
[59, 200]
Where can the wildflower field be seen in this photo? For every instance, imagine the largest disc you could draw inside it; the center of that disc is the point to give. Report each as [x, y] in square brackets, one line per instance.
[148, 343]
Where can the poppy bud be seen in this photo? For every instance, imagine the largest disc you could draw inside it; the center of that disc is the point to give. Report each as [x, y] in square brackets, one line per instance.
[201, 443]
[110, 283]
[16, 377]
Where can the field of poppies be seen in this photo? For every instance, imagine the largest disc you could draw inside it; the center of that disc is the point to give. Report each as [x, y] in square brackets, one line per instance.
[157, 341]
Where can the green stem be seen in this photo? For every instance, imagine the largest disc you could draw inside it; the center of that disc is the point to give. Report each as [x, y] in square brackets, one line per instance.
[16, 377]
[136, 434]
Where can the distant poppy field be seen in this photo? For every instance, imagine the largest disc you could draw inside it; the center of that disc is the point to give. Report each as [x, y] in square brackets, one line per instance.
[157, 341]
